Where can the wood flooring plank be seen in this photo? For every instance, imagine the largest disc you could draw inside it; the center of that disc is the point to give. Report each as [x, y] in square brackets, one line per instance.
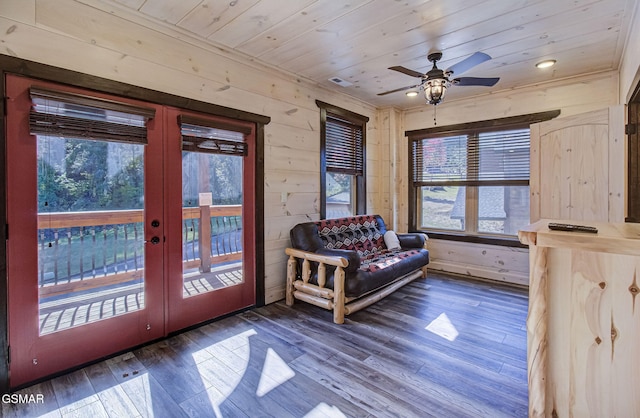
[350, 332]
[150, 397]
[467, 342]
[245, 398]
[93, 410]
[179, 377]
[210, 403]
[300, 323]
[467, 378]
[486, 322]
[398, 388]
[483, 389]
[320, 398]
[516, 373]
[454, 404]
[262, 320]
[188, 348]
[145, 392]
[125, 367]
[114, 399]
[73, 391]
[357, 389]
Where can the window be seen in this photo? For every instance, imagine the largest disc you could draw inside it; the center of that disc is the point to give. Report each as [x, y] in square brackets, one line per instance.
[342, 162]
[472, 179]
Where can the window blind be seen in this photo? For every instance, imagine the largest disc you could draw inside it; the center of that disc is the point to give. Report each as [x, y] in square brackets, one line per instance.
[488, 158]
[208, 136]
[69, 115]
[344, 146]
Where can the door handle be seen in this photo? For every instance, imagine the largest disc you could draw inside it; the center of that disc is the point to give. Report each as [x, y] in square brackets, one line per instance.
[154, 240]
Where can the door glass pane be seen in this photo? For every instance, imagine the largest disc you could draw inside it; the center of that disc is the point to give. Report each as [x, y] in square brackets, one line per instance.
[442, 207]
[503, 209]
[211, 221]
[340, 195]
[90, 231]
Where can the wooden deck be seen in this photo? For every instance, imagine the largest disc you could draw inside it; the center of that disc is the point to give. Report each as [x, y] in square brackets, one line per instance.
[444, 347]
[70, 310]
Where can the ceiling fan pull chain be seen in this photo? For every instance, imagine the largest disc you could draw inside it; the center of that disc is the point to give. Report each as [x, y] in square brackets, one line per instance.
[434, 115]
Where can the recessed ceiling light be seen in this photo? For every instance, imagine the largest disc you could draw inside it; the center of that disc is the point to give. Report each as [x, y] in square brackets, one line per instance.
[545, 63]
[411, 93]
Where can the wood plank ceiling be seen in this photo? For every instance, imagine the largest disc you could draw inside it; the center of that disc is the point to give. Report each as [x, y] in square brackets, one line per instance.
[358, 40]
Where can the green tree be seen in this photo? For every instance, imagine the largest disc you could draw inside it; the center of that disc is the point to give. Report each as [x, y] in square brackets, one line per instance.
[127, 186]
[51, 192]
[85, 174]
[225, 178]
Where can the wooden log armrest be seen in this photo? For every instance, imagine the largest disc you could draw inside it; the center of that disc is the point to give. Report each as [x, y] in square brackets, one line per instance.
[318, 294]
[332, 260]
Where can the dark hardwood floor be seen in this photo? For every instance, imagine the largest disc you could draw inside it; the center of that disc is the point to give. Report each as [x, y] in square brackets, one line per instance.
[442, 347]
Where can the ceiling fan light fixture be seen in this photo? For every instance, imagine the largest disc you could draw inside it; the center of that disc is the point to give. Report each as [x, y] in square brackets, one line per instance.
[545, 64]
[435, 89]
[411, 93]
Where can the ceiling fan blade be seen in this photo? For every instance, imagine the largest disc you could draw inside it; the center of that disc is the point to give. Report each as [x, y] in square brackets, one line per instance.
[476, 81]
[400, 89]
[406, 71]
[468, 63]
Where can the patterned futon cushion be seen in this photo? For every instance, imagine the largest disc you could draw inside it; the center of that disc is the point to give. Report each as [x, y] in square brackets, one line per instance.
[385, 258]
[360, 233]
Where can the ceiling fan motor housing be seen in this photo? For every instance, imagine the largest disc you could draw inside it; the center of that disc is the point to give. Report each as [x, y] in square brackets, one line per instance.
[434, 56]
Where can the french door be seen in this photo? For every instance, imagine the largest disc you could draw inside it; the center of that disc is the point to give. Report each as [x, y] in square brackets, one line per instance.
[211, 207]
[109, 247]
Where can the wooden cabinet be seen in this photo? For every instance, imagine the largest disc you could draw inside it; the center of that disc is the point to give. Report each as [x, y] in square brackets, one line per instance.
[578, 167]
[583, 328]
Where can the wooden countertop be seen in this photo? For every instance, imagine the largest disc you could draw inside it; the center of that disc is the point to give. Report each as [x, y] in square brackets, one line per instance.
[616, 238]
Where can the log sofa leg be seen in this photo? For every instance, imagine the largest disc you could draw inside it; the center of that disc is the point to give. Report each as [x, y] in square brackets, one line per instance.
[338, 296]
[291, 276]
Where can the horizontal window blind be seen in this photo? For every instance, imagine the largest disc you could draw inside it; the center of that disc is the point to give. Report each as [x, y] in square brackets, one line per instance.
[502, 155]
[470, 160]
[440, 159]
[344, 146]
[68, 115]
[204, 136]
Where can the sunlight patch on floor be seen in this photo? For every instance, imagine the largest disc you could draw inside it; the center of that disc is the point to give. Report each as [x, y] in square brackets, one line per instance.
[275, 372]
[322, 410]
[225, 366]
[442, 327]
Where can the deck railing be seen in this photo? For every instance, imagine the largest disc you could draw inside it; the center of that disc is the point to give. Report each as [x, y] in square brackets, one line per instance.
[85, 250]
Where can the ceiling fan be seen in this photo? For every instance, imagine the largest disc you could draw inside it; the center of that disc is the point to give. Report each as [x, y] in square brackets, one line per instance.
[436, 81]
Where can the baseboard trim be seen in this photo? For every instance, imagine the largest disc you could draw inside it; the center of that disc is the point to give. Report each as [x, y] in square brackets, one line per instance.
[480, 272]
